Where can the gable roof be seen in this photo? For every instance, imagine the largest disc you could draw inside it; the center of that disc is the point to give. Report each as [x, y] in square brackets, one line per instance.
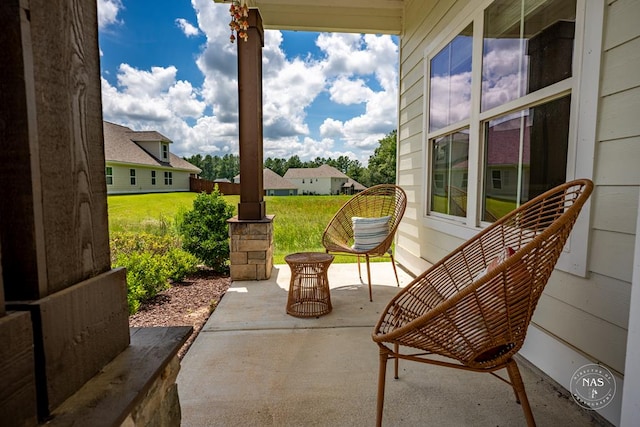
[324, 171]
[120, 146]
[273, 181]
[356, 185]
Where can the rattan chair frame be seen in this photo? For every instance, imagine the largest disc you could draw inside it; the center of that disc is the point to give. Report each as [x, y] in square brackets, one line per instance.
[478, 318]
[377, 201]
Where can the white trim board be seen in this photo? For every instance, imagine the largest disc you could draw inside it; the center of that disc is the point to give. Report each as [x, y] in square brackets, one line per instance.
[630, 413]
[559, 361]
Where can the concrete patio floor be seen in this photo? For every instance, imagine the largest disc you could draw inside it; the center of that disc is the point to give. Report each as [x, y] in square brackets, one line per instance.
[254, 365]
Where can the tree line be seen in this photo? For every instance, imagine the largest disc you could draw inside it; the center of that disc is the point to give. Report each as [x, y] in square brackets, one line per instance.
[381, 168]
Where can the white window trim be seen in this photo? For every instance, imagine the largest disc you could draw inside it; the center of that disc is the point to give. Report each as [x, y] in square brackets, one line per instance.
[582, 126]
[108, 175]
[165, 154]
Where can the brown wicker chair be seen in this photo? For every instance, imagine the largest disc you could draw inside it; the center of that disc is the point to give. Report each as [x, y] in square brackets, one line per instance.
[375, 202]
[474, 306]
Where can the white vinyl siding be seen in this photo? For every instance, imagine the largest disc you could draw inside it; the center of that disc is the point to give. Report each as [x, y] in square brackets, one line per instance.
[589, 313]
[122, 184]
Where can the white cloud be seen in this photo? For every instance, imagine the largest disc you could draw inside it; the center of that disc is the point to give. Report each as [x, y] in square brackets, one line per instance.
[187, 28]
[144, 83]
[108, 12]
[346, 92]
[204, 119]
[331, 128]
[503, 76]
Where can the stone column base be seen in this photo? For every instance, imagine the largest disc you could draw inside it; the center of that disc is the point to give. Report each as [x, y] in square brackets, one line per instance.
[251, 248]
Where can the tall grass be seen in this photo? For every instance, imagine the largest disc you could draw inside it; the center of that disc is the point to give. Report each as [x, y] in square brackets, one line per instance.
[298, 224]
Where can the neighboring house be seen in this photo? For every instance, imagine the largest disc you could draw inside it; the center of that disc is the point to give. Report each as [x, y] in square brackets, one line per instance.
[352, 187]
[274, 184]
[497, 102]
[142, 162]
[324, 179]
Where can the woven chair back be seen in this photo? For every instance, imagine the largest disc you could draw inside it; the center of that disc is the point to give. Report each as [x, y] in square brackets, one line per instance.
[475, 304]
[377, 201]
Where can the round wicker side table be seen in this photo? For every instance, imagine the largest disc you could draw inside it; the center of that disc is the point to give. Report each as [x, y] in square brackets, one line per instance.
[309, 287]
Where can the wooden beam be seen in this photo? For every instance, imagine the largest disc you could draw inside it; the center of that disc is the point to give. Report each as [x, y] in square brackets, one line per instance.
[251, 206]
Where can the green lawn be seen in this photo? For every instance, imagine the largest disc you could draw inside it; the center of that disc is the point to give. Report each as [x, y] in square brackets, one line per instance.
[298, 224]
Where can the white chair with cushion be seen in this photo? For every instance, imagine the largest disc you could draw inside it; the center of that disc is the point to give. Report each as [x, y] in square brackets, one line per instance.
[366, 225]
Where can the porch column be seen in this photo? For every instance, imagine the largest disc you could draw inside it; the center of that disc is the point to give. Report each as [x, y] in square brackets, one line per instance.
[251, 232]
[251, 206]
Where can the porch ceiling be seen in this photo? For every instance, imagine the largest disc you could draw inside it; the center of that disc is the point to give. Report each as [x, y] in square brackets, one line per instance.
[353, 16]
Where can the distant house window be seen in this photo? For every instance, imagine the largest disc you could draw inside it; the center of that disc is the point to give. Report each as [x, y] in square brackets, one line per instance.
[497, 179]
[109, 173]
[303, 180]
[153, 177]
[165, 151]
[168, 178]
[132, 176]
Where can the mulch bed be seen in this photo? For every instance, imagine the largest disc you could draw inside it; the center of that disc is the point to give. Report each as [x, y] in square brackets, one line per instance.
[186, 303]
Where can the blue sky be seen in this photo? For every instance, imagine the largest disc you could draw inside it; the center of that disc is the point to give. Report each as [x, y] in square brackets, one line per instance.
[171, 68]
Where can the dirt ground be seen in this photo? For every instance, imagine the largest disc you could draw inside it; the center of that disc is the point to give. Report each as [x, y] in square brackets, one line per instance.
[189, 303]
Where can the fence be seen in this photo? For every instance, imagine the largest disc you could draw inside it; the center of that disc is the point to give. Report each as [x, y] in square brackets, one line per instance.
[197, 185]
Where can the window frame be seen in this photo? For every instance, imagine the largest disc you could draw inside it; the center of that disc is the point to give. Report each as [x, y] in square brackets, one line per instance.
[582, 123]
[108, 172]
[168, 178]
[153, 177]
[132, 177]
[164, 149]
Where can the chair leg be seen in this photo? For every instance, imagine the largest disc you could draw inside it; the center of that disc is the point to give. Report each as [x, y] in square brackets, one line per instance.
[396, 349]
[393, 263]
[359, 272]
[369, 278]
[382, 373]
[521, 394]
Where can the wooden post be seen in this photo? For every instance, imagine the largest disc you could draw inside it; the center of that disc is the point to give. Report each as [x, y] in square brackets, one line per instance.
[251, 206]
[54, 232]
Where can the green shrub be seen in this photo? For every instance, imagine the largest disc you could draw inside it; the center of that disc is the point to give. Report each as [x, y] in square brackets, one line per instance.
[205, 232]
[151, 261]
[132, 242]
[146, 276]
[180, 264]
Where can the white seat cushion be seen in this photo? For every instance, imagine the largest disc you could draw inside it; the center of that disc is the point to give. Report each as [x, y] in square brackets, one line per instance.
[369, 232]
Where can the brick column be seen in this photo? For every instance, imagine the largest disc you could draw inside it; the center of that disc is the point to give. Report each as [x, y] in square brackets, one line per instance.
[251, 244]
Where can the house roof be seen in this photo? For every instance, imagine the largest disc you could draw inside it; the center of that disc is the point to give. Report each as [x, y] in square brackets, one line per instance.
[504, 147]
[354, 16]
[324, 171]
[356, 185]
[120, 146]
[148, 136]
[273, 181]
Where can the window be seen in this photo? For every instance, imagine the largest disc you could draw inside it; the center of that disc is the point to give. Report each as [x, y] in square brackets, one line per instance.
[153, 177]
[449, 165]
[168, 178]
[503, 121]
[109, 174]
[496, 179]
[165, 151]
[132, 176]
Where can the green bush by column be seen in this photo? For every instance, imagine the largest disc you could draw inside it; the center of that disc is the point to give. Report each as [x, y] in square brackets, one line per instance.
[205, 231]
